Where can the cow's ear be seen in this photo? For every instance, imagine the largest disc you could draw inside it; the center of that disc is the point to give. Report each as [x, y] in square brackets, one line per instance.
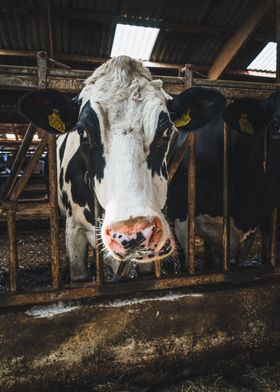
[195, 107]
[245, 116]
[50, 110]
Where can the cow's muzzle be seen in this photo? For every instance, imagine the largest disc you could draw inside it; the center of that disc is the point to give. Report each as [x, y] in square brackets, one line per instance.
[139, 239]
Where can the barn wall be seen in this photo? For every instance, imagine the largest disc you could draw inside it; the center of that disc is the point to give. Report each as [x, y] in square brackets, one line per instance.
[147, 340]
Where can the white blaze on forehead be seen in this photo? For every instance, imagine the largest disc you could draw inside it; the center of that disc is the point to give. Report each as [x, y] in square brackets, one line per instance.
[128, 103]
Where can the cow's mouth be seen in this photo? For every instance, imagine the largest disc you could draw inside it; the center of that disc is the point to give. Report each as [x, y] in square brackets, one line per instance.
[148, 255]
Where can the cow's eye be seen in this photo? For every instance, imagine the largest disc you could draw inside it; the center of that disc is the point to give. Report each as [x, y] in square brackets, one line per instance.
[166, 135]
[84, 134]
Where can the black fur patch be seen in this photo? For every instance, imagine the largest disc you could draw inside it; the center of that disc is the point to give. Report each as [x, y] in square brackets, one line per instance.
[62, 148]
[66, 202]
[88, 215]
[75, 174]
[61, 178]
[92, 150]
[159, 146]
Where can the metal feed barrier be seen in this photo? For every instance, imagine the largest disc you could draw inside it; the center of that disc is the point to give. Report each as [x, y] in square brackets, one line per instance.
[71, 81]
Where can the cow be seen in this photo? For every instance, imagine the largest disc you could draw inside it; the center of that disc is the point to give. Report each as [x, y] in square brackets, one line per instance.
[113, 141]
[254, 176]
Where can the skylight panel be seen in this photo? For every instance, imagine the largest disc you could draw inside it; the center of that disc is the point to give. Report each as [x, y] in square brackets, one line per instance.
[266, 59]
[134, 41]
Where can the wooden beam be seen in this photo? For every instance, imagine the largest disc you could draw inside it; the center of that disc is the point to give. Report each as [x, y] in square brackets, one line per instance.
[232, 47]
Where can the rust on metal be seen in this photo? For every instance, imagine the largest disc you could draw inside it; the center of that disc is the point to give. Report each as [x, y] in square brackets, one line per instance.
[157, 269]
[54, 223]
[21, 183]
[18, 162]
[191, 203]
[11, 223]
[226, 195]
[273, 247]
[263, 274]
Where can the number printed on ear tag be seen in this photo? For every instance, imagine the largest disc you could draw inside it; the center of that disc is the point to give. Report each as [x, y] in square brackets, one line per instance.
[56, 122]
[183, 120]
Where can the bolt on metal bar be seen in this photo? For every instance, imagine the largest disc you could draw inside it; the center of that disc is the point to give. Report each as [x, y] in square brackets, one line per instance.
[273, 246]
[226, 195]
[98, 254]
[13, 262]
[191, 204]
[18, 162]
[54, 222]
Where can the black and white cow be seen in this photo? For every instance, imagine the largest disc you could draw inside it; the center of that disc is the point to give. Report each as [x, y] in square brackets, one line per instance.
[254, 175]
[121, 130]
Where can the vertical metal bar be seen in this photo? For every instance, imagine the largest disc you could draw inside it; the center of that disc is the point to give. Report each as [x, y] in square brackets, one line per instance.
[191, 203]
[226, 217]
[18, 162]
[54, 223]
[273, 246]
[188, 77]
[11, 223]
[157, 268]
[98, 254]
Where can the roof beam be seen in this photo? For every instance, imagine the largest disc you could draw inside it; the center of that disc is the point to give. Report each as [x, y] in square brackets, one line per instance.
[234, 44]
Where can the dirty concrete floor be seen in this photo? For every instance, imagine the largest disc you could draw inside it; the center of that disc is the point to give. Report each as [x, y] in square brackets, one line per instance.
[252, 379]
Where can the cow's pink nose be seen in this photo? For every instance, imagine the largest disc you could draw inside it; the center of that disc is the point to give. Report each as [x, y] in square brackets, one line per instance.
[125, 236]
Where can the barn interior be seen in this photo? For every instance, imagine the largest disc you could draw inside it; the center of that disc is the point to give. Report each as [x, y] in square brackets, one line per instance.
[57, 44]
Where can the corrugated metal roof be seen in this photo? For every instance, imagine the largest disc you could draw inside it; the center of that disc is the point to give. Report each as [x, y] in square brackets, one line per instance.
[266, 59]
[86, 28]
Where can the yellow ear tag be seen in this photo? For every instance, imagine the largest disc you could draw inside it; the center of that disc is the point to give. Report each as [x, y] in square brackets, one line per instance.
[245, 125]
[183, 120]
[56, 122]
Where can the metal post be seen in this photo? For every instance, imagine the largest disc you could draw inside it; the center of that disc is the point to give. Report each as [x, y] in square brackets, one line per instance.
[226, 195]
[191, 203]
[175, 162]
[273, 246]
[98, 254]
[11, 223]
[54, 223]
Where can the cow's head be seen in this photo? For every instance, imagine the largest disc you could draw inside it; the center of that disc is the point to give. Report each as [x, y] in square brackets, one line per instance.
[125, 124]
[249, 116]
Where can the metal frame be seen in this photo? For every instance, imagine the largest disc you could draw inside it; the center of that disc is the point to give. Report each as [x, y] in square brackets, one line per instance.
[71, 81]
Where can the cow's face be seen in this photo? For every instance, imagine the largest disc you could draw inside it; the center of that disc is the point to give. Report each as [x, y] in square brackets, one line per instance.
[124, 141]
[125, 127]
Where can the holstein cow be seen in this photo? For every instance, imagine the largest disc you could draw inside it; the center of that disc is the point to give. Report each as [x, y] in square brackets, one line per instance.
[120, 129]
[254, 175]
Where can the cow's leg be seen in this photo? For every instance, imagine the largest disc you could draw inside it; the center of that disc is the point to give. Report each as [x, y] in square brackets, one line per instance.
[76, 244]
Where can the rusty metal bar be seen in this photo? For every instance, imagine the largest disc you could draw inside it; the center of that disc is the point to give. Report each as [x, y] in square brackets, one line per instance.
[157, 268]
[54, 223]
[11, 223]
[21, 183]
[175, 162]
[98, 252]
[263, 274]
[191, 203]
[226, 195]
[18, 162]
[273, 246]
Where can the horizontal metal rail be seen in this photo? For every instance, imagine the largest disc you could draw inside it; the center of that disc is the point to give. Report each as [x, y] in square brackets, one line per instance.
[263, 274]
